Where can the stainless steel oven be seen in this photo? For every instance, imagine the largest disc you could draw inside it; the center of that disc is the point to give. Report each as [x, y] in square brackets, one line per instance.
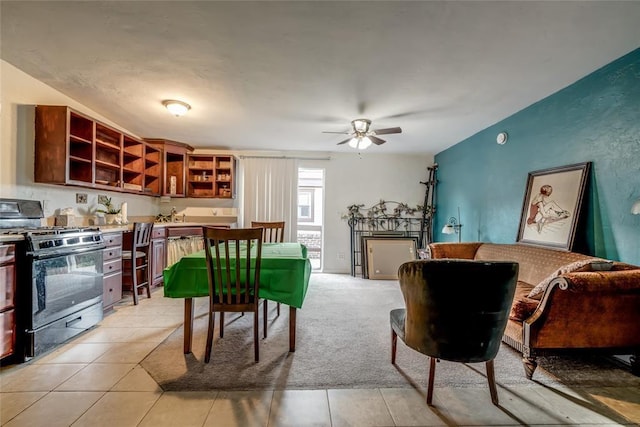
[60, 280]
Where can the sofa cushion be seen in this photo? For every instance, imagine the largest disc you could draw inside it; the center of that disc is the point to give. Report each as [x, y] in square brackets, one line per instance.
[522, 306]
[581, 265]
[536, 263]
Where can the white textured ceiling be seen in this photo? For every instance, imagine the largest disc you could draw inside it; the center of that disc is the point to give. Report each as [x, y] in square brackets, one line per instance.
[273, 75]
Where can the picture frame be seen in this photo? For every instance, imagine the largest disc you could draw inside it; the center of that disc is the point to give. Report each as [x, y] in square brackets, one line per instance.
[552, 205]
[384, 253]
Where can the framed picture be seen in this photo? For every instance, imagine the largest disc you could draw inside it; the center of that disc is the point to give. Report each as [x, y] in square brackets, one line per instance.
[383, 254]
[552, 204]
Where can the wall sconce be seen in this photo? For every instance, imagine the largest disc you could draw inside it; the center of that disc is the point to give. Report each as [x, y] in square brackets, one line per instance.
[635, 209]
[177, 108]
[453, 226]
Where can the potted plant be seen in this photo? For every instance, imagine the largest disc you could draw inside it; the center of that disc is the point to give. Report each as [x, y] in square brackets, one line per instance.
[110, 211]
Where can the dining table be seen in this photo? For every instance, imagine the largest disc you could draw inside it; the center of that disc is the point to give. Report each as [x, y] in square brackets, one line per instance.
[284, 277]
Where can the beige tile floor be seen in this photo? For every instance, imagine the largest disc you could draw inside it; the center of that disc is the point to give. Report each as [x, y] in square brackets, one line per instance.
[96, 380]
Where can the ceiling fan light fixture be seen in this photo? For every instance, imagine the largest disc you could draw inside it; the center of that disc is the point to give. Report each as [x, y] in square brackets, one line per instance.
[361, 125]
[177, 108]
[365, 142]
[360, 142]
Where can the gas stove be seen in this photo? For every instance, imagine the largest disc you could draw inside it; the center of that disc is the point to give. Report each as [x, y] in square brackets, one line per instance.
[44, 242]
[59, 278]
[23, 217]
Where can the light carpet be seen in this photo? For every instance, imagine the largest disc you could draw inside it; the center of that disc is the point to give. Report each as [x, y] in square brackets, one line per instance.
[343, 341]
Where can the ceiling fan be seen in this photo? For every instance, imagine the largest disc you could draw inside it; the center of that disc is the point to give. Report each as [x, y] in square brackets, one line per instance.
[363, 136]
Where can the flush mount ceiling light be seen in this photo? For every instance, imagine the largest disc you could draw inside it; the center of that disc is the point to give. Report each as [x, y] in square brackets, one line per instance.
[177, 108]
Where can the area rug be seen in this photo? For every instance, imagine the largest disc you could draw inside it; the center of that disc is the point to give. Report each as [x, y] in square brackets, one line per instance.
[343, 341]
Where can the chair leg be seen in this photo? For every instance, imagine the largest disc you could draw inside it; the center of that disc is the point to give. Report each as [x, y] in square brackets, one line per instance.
[278, 309]
[148, 273]
[264, 318]
[207, 350]
[394, 344]
[492, 382]
[221, 324]
[432, 373]
[134, 279]
[256, 341]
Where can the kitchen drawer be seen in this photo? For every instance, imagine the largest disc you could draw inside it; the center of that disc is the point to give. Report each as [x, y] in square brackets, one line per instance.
[112, 239]
[159, 233]
[7, 280]
[7, 253]
[112, 266]
[112, 253]
[7, 326]
[112, 289]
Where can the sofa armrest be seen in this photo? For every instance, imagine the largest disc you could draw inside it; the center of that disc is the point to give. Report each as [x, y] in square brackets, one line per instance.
[587, 310]
[454, 250]
[600, 281]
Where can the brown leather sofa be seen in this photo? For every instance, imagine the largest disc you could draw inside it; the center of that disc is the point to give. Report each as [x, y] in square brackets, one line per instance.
[578, 306]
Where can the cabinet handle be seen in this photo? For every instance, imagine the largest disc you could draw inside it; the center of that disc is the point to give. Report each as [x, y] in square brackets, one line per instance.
[110, 289]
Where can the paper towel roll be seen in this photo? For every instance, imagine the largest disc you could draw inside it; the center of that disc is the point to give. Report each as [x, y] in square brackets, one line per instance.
[123, 213]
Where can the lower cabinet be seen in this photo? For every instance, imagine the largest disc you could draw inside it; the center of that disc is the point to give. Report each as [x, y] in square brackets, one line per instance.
[159, 255]
[112, 269]
[7, 303]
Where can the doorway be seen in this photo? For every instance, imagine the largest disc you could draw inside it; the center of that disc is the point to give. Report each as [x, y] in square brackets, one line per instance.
[310, 210]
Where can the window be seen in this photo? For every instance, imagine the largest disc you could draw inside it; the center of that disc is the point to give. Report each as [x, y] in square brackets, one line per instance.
[305, 204]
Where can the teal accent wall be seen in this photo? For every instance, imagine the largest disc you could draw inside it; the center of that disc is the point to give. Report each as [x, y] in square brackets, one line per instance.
[596, 119]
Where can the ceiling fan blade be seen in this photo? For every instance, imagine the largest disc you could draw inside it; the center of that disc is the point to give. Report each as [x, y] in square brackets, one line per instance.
[345, 141]
[376, 140]
[341, 133]
[387, 131]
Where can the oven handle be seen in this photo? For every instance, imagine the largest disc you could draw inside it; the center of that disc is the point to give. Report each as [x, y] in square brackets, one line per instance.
[65, 252]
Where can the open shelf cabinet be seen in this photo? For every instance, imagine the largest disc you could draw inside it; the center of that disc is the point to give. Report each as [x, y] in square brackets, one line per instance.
[210, 175]
[74, 149]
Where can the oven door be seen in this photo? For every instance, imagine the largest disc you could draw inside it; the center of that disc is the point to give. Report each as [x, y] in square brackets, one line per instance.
[64, 283]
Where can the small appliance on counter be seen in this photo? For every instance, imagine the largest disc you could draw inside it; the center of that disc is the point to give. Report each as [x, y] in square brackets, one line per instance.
[66, 218]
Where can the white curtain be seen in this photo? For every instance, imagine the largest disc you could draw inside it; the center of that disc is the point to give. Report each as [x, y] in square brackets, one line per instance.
[270, 192]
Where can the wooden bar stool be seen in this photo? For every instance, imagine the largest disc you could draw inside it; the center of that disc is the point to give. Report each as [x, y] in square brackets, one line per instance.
[137, 273]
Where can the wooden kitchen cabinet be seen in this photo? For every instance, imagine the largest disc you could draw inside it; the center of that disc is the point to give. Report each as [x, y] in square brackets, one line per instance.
[159, 255]
[112, 269]
[7, 299]
[210, 175]
[174, 160]
[152, 170]
[71, 148]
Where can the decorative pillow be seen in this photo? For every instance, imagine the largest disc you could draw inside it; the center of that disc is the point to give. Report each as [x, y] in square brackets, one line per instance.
[581, 265]
[523, 306]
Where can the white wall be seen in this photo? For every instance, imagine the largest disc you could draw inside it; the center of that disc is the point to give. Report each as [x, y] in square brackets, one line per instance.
[364, 179]
[350, 178]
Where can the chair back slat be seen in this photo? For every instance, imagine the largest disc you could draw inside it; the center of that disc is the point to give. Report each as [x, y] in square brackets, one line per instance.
[231, 281]
[142, 234]
[273, 230]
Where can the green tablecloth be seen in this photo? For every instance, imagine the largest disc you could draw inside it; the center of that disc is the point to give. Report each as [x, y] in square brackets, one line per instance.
[284, 274]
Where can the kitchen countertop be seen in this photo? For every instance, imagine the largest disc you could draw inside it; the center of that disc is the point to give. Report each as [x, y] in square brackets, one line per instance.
[129, 227]
[11, 238]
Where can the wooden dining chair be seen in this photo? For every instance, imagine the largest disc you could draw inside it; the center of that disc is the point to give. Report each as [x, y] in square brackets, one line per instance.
[136, 265]
[273, 230]
[234, 277]
[273, 233]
